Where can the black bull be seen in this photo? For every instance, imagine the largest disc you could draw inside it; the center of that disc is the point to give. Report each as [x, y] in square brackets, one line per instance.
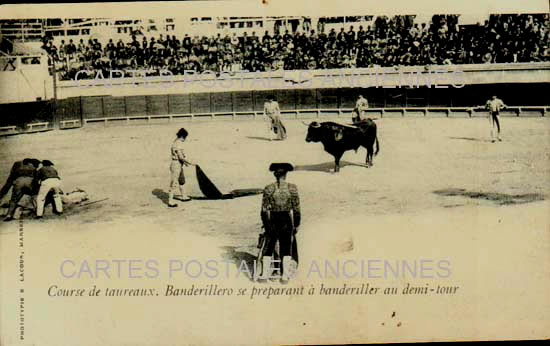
[338, 139]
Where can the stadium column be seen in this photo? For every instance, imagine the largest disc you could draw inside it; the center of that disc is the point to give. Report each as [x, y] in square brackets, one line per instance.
[55, 117]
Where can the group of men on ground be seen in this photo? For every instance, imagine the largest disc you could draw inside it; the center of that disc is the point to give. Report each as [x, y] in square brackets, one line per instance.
[34, 178]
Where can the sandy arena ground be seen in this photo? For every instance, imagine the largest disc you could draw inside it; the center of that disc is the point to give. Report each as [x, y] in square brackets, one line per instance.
[438, 189]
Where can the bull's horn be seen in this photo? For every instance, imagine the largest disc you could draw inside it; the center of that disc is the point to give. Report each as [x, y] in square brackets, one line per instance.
[303, 122]
[315, 124]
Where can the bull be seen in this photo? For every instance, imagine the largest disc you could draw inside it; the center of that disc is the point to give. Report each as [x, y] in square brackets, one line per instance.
[337, 139]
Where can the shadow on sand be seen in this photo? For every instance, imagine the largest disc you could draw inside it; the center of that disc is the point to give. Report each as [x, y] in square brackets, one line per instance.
[163, 196]
[238, 258]
[160, 194]
[471, 139]
[259, 138]
[496, 197]
[327, 167]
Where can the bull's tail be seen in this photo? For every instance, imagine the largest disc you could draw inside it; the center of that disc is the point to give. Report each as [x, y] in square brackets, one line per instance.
[377, 146]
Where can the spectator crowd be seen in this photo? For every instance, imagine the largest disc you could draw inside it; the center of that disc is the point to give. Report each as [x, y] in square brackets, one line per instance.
[387, 42]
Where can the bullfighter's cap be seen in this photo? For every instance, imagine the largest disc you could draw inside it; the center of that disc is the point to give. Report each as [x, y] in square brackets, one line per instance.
[182, 133]
[34, 162]
[287, 167]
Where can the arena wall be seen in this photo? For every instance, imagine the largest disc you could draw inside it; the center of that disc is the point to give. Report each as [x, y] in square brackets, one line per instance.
[298, 99]
[530, 87]
[435, 77]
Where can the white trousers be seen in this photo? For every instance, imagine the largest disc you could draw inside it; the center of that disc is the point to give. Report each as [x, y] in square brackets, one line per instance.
[45, 187]
[175, 171]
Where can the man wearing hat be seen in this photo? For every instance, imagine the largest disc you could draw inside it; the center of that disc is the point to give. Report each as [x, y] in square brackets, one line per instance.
[281, 218]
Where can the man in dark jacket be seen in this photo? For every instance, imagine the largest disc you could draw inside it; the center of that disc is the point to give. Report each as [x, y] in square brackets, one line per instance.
[11, 178]
[24, 176]
[281, 218]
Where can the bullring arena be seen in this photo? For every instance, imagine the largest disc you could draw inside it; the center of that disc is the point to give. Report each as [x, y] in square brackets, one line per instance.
[425, 165]
[418, 157]
[440, 193]
[438, 189]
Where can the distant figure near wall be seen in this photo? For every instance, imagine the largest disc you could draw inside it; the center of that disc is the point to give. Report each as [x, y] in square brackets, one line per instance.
[494, 105]
[273, 114]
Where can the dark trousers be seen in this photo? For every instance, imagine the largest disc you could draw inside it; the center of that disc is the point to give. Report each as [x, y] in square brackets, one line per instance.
[279, 229]
[21, 186]
[6, 187]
